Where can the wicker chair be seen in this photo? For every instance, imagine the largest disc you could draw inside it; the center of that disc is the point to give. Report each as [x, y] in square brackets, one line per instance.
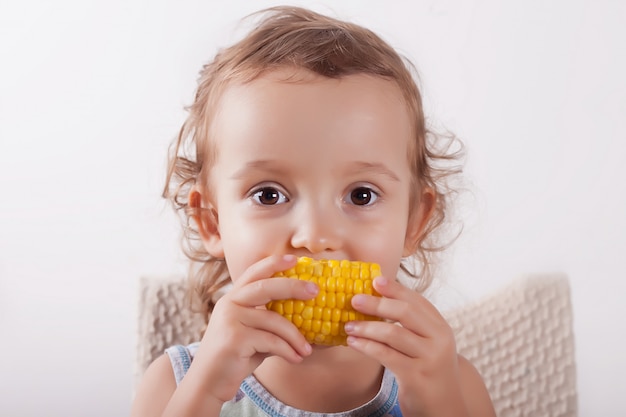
[519, 338]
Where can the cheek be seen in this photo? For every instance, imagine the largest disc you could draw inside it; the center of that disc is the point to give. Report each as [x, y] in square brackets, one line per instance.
[385, 245]
[240, 247]
[247, 241]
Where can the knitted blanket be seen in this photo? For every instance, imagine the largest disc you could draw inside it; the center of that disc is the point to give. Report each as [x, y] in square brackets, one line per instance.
[519, 338]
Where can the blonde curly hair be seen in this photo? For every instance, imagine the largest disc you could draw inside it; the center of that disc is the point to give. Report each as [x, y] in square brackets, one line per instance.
[300, 38]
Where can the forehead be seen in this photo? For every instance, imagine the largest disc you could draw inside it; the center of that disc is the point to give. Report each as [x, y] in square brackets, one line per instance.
[299, 111]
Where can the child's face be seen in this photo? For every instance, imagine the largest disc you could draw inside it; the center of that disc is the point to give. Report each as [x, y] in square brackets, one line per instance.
[317, 167]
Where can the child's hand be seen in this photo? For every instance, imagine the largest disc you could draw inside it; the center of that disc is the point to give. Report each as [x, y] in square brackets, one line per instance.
[417, 345]
[241, 332]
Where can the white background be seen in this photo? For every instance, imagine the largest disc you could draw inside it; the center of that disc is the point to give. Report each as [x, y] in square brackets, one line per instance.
[92, 92]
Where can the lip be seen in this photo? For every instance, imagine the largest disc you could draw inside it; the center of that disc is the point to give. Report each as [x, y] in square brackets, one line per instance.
[322, 257]
[322, 347]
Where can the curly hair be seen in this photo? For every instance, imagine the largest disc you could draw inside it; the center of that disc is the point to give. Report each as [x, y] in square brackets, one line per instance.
[300, 38]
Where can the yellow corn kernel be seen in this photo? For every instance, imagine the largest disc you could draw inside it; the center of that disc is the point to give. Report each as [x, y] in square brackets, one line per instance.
[322, 319]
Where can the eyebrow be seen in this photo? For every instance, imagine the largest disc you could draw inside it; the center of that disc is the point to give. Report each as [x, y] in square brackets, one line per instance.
[376, 168]
[267, 165]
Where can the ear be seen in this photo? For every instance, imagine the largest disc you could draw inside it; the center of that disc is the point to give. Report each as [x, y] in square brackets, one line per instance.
[205, 216]
[418, 219]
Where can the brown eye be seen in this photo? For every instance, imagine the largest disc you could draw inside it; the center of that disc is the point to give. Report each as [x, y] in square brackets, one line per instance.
[269, 196]
[362, 196]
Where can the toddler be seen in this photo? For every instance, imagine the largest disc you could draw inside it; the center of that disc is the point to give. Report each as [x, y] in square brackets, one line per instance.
[308, 138]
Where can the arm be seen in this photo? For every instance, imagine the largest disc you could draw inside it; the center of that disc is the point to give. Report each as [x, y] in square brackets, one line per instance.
[238, 338]
[417, 345]
[157, 394]
[475, 394]
[155, 389]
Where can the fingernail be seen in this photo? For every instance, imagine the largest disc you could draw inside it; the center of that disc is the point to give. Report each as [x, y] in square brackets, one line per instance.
[352, 341]
[289, 258]
[382, 281]
[312, 288]
[349, 327]
[307, 349]
[358, 300]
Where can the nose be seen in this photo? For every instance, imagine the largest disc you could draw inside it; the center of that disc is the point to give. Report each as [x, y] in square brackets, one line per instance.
[317, 230]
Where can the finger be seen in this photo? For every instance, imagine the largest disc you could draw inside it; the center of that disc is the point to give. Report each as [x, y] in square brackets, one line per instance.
[402, 305]
[390, 334]
[270, 344]
[275, 324]
[259, 293]
[266, 268]
[386, 355]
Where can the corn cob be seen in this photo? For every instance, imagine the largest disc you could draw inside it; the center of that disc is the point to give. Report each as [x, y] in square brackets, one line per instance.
[321, 320]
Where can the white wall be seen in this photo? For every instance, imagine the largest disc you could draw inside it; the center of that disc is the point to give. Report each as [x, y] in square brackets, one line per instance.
[91, 93]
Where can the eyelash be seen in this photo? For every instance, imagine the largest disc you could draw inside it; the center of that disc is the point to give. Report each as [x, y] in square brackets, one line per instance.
[258, 193]
[278, 197]
[372, 197]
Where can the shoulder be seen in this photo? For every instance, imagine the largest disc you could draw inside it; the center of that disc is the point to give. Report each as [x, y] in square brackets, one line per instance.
[475, 392]
[155, 389]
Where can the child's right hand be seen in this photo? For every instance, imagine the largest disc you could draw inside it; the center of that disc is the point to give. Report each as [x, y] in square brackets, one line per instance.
[242, 333]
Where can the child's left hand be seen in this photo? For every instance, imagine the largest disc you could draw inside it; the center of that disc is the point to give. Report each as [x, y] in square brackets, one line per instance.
[418, 346]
